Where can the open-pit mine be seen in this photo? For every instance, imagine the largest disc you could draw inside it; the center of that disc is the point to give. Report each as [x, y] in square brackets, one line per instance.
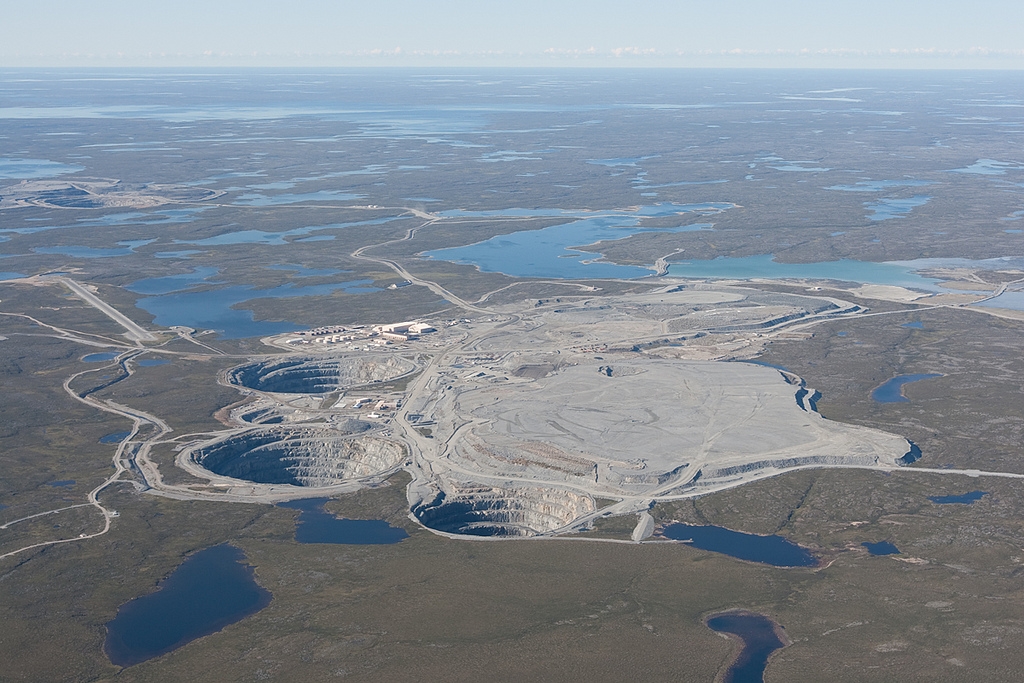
[541, 417]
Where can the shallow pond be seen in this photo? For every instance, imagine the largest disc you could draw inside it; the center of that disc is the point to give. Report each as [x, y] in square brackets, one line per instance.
[892, 390]
[115, 437]
[886, 209]
[208, 591]
[760, 640]
[100, 357]
[881, 548]
[962, 499]
[774, 550]
[315, 525]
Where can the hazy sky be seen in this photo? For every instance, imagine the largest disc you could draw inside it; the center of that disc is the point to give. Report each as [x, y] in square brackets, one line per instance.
[812, 33]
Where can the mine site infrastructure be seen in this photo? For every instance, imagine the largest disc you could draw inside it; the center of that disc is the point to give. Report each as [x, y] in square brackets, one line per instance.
[525, 420]
[517, 424]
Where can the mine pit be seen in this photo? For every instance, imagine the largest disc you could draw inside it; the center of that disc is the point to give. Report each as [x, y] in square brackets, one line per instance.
[313, 375]
[491, 511]
[299, 456]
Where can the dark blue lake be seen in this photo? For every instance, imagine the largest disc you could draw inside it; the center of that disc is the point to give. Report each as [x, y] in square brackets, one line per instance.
[115, 437]
[208, 591]
[317, 526]
[760, 640]
[892, 390]
[963, 498]
[100, 357]
[774, 550]
[881, 548]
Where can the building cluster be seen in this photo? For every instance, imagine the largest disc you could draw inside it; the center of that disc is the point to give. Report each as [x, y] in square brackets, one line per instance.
[378, 334]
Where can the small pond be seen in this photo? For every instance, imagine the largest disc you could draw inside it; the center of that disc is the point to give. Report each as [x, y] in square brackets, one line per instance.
[315, 525]
[962, 499]
[774, 550]
[115, 437]
[100, 357]
[881, 548]
[887, 209]
[760, 639]
[892, 390]
[208, 591]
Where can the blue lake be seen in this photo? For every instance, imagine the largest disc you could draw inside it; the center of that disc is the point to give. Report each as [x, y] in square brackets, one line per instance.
[764, 266]
[100, 357]
[760, 640]
[988, 167]
[886, 209]
[10, 276]
[301, 271]
[916, 325]
[774, 550]
[317, 526]
[173, 283]
[208, 591]
[881, 548]
[878, 185]
[153, 362]
[212, 309]
[962, 499]
[163, 216]
[62, 483]
[25, 169]
[1011, 300]
[182, 253]
[114, 437]
[260, 199]
[892, 390]
[126, 248]
[277, 238]
[547, 252]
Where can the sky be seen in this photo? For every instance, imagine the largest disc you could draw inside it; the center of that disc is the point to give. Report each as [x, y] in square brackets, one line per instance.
[511, 33]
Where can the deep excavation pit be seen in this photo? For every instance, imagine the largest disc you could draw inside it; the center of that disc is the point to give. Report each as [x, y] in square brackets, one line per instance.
[300, 456]
[312, 375]
[488, 511]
